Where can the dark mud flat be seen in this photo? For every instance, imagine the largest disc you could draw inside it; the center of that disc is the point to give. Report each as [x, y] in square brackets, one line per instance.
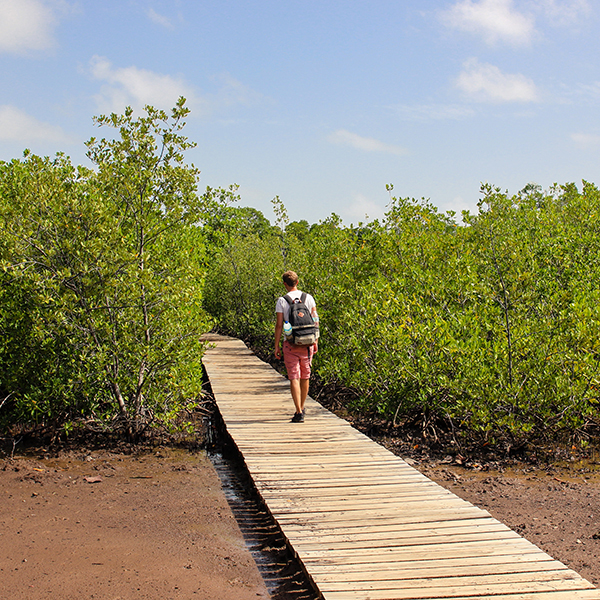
[556, 508]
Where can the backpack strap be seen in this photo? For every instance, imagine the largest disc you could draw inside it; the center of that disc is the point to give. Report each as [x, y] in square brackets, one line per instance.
[289, 300]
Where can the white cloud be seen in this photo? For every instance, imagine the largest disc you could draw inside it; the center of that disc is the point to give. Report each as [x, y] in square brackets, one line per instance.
[137, 87]
[486, 83]
[26, 25]
[233, 92]
[494, 20]
[159, 19]
[346, 138]
[17, 126]
[433, 112]
[586, 140]
[363, 209]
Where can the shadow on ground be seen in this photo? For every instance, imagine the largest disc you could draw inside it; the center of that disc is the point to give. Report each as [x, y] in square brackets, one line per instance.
[282, 572]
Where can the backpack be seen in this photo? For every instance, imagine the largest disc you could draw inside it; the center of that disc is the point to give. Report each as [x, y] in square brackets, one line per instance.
[305, 332]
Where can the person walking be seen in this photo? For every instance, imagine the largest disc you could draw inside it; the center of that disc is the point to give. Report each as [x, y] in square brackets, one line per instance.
[297, 358]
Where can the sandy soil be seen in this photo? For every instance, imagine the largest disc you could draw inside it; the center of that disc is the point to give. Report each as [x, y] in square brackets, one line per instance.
[118, 527]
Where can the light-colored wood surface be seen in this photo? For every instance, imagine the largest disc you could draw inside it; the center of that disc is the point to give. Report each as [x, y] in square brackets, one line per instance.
[365, 524]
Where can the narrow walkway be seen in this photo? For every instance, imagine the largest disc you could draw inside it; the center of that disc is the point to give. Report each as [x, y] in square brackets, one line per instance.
[366, 525]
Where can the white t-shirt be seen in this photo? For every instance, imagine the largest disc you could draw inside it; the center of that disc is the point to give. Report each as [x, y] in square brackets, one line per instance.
[283, 307]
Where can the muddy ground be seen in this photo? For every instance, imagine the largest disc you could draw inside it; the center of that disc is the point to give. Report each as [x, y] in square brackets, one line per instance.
[157, 526]
[113, 526]
[557, 508]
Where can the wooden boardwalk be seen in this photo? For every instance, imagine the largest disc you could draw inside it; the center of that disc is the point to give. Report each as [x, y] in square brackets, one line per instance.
[363, 522]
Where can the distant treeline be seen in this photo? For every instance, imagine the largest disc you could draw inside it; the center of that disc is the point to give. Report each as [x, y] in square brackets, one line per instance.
[489, 328]
[488, 325]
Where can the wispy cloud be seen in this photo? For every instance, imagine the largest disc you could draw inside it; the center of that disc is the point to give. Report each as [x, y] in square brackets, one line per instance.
[587, 91]
[585, 94]
[347, 138]
[17, 126]
[160, 19]
[363, 209]
[26, 25]
[132, 86]
[137, 87]
[483, 82]
[432, 112]
[563, 12]
[232, 92]
[493, 20]
[587, 140]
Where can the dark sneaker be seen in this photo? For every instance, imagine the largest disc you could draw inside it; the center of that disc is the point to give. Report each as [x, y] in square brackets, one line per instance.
[298, 418]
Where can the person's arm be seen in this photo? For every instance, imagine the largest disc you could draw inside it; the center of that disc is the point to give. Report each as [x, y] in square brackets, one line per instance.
[313, 312]
[278, 330]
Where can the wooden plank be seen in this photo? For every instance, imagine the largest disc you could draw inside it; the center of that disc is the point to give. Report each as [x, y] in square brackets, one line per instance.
[293, 473]
[474, 590]
[363, 475]
[366, 525]
[418, 543]
[415, 544]
[483, 553]
[357, 527]
[323, 485]
[291, 463]
[372, 533]
[418, 503]
[530, 569]
[332, 485]
[300, 514]
[333, 493]
[314, 502]
[544, 580]
[319, 474]
[320, 520]
[370, 465]
[317, 522]
[332, 445]
[586, 594]
[442, 567]
[529, 592]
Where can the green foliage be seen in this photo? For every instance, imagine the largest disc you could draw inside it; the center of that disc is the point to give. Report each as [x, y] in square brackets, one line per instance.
[101, 278]
[45, 369]
[242, 286]
[106, 274]
[244, 279]
[492, 326]
[221, 222]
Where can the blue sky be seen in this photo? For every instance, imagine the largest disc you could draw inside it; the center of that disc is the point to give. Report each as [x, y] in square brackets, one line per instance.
[321, 103]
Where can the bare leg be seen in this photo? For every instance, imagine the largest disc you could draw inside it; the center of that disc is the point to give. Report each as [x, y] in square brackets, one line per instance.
[296, 390]
[304, 384]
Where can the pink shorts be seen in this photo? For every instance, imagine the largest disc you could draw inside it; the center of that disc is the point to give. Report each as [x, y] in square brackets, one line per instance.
[297, 360]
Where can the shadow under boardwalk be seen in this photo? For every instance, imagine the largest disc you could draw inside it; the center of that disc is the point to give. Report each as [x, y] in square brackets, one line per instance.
[362, 522]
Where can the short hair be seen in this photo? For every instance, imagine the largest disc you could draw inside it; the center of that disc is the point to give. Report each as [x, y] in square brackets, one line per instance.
[290, 278]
